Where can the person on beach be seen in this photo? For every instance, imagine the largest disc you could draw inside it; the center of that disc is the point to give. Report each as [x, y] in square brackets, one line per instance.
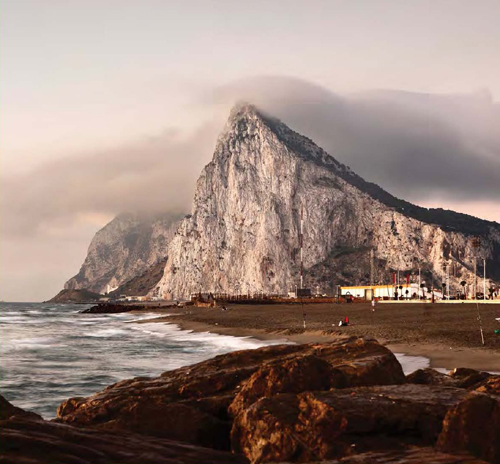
[344, 322]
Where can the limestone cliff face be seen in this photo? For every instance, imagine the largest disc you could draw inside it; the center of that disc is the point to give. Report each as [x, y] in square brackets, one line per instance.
[243, 233]
[124, 248]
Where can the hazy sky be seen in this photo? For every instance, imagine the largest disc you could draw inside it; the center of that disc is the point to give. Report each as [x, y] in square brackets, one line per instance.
[112, 105]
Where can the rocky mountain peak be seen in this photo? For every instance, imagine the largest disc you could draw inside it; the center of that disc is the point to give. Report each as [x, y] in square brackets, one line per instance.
[129, 245]
[244, 231]
[243, 234]
[246, 120]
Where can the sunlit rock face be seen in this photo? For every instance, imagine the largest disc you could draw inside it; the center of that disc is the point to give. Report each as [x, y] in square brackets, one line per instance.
[126, 247]
[244, 231]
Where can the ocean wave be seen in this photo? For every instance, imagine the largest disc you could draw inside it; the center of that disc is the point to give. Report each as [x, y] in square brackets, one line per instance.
[12, 318]
[106, 333]
[207, 340]
[412, 363]
[33, 343]
[151, 316]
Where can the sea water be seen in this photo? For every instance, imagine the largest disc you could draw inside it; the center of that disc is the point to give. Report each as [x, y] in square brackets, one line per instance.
[49, 352]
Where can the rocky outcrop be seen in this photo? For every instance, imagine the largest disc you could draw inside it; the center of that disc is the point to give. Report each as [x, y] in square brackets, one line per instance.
[141, 284]
[112, 308]
[28, 441]
[346, 400]
[194, 403]
[490, 385]
[473, 425]
[244, 231]
[324, 425]
[412, 455]
[75, 296]
[127, 247]
[8, 410]
[469, 378]
[430, 376]
[292, 376]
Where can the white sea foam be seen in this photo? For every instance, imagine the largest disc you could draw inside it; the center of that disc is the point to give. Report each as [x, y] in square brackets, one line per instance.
[34, 343]
[12, 318]
[412, 363]
[147, 316]
[212, 340]
[106, 333]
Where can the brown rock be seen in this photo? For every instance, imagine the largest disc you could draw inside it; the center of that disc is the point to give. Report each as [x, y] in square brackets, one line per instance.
[473, 425]
[39, 442]
[293, 376]
[471, 379]
[411, 455]
[491, 385]
[191, 421]
[468, 378]
[431, 377]
[188, 404]
[326, 425]
[8, 410]
[191, 403]
[363, 361]
[27, 439]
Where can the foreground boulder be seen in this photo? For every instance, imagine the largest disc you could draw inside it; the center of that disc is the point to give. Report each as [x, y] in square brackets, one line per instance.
[412, 455]
[473, 425]
[42, 442]
[469, 378]
[292, 376]
[430, 376]
[325, 425]
[346, 400]
[8, 410]
[490, 385]
[27, 439]
[192, 404]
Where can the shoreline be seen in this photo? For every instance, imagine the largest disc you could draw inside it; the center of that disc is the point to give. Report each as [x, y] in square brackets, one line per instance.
[440, 356]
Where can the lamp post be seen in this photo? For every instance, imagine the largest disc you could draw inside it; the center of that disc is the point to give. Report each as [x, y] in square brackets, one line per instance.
[484, 279]
[476, 244]
[446, 269]
[419, 279]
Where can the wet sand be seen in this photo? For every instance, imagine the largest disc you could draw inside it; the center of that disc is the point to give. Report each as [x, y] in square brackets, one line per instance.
[447, 334]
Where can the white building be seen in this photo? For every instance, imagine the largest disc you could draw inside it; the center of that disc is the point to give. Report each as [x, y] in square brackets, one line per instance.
[368, 292]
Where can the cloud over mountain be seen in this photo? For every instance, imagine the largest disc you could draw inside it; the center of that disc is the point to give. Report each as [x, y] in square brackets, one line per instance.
[442, 150]
[417, 146]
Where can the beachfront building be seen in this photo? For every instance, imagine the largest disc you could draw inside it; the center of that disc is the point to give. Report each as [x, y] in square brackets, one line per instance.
[369, 292]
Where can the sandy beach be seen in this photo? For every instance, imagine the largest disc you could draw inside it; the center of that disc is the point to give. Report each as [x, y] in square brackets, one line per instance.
[448, 335]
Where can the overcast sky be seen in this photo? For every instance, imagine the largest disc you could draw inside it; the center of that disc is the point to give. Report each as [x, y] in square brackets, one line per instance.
[114, 105]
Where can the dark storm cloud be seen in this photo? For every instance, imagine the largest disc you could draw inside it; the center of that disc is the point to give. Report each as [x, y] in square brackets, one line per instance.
[417, 146]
